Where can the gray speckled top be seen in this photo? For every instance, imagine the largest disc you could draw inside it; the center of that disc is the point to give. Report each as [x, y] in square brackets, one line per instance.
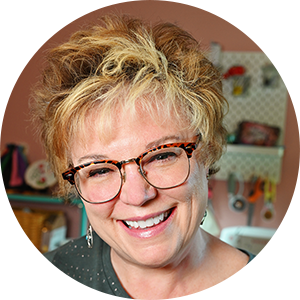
[74, 271]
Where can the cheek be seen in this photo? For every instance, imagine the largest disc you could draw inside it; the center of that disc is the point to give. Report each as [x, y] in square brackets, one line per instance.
[99, 213]
[198, 193]
[197, 180]
[194, 191]
[192, 203]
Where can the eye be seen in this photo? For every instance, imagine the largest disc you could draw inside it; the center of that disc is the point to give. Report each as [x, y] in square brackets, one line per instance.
[162, 157]
[97, 172]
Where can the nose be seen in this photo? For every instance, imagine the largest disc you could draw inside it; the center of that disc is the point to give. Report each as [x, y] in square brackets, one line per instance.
[135, 189]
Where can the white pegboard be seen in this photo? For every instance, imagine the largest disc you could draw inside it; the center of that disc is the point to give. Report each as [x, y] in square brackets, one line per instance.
[260, 104]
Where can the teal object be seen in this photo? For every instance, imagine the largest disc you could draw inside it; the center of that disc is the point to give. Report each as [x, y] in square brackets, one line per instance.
[52, 200]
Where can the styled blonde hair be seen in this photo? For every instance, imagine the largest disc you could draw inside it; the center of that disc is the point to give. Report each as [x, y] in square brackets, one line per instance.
[118, 63]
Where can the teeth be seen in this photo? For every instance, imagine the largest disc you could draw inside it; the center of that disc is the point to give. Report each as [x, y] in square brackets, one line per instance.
[148, 223]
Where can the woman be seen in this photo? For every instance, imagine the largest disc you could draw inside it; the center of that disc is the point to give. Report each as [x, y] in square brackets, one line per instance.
[131, 116]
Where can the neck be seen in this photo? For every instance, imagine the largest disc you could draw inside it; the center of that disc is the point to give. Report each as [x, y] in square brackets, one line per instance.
[178, 277]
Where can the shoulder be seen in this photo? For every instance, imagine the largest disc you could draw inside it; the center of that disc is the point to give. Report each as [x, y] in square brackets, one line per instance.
[37, 278]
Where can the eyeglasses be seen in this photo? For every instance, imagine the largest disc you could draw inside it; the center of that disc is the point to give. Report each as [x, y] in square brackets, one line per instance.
[164, 167]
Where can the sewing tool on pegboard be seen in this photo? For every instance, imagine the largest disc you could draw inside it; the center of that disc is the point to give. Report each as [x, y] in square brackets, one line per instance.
[236, 201]
[268, 211]
[257, 190]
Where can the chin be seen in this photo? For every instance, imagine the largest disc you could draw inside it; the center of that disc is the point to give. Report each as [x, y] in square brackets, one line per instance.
[156, 256]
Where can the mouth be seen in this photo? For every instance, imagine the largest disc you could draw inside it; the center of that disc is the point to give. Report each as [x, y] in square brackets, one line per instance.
[151, 222]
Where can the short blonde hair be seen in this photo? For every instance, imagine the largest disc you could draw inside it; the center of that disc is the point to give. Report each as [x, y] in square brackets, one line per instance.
[158, 66]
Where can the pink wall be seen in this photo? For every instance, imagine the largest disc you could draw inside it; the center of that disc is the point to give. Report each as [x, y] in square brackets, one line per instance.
[29, 27]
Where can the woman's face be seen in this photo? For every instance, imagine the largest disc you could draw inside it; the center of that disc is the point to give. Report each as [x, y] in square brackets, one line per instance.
[168, 241]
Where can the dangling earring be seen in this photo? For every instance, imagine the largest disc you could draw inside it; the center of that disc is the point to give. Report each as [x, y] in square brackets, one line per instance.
[203, 219]
[89, 237]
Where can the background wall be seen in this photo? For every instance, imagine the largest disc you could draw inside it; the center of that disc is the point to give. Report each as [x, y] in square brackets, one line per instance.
[28, 28]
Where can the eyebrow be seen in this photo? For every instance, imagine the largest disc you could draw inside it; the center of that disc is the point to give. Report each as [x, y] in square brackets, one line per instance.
[153, 144]
[162, 141]
[92, 157]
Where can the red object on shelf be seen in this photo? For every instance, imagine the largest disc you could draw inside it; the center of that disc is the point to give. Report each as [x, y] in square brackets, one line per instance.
[235, 71]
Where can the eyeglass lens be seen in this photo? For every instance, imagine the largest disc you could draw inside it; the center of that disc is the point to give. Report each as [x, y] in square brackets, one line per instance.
[164, 168]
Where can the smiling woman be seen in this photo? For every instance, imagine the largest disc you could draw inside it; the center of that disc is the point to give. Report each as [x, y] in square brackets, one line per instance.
[131, 118]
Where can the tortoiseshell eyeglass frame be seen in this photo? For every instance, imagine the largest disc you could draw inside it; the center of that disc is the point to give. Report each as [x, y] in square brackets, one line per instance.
[187, 147]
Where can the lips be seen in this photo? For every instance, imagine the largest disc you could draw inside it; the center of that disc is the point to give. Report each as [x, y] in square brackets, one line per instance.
[148, 223]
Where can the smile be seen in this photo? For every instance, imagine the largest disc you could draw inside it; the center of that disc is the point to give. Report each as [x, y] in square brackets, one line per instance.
[144, 224]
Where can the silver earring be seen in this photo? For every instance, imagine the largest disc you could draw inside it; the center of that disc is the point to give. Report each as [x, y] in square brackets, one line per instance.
[203, 219]
[89, 237]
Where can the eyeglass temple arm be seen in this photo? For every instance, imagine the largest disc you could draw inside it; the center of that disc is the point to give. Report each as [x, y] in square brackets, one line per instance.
[199, 138]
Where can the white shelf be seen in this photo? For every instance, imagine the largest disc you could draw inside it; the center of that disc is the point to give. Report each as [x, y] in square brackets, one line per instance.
[260, 150]
[251, 160]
